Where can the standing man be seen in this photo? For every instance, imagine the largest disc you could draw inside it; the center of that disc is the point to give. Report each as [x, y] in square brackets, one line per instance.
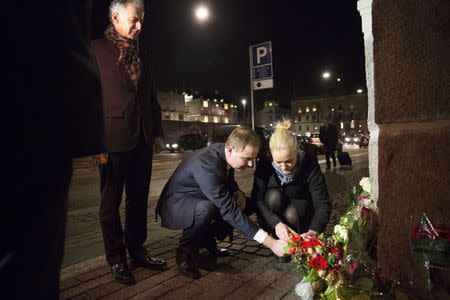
[132, 118]
[54, 114]
[329, 137]
[198, 194]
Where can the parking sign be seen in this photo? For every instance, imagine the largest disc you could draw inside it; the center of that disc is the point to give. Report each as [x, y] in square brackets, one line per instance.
[261, 65]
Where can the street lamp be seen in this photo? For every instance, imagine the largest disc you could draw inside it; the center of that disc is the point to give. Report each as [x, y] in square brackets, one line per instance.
[244, 101]
[202, 13]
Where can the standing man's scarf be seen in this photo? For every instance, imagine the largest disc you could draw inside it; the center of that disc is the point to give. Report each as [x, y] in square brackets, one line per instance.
[128, 53]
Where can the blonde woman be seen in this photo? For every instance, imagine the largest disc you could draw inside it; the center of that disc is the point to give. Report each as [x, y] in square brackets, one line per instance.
[290, 189]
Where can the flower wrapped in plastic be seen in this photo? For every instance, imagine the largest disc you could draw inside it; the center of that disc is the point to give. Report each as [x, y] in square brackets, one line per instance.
[318, 259]
[430, 245]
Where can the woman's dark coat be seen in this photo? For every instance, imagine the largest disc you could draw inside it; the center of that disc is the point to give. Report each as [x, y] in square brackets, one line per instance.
[308, 192]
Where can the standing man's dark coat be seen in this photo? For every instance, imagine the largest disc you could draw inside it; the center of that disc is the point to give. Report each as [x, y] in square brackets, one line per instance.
[132, 119]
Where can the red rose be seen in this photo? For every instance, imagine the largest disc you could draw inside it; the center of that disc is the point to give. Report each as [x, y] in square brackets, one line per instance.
[306, 244]
[296, 238]
[291, 250]
[318, 263]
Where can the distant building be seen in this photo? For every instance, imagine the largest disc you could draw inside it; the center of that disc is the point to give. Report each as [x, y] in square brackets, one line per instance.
[347, 112]
[270, 114]
[184, 107]
[173, 106]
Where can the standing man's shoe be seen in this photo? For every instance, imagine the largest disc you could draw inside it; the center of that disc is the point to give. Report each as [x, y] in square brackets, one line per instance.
[146, 261]
[122, 274]
[187, 265]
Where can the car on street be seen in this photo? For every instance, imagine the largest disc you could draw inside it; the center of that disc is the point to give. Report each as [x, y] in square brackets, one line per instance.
[351, 139]
[192, 141]
[305, 145]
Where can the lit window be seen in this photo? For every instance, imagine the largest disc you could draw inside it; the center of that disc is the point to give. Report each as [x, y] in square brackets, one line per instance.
[299, 110]
[225, 106]
[352, 124]
[270, 103]
[205, 119]
[314, 109]
[307, 109]
[226, 120]
[216, 119]
[342, 125]
[205, 103]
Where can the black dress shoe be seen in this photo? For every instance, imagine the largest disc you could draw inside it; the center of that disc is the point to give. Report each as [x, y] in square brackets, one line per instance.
[148, 262]
[122, 274]
[187, 264]
[211, 245]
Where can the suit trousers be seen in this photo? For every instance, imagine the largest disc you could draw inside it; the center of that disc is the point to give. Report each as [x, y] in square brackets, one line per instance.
[132, 171]
[192, 237]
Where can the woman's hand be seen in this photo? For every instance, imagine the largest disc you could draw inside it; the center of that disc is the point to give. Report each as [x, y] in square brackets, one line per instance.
[284, 232]
[240, 200]
[310, 232]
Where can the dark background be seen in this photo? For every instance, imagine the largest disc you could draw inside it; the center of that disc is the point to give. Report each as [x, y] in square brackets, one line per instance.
[308, 37]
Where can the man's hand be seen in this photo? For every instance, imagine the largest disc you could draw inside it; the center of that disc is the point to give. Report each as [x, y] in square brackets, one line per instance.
[100, 159]
[284, 232]
[158, 145]
[277, 246]
[239, 198]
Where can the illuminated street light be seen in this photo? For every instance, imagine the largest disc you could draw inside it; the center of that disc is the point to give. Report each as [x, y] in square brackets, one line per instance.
[326, 75]
[244, 101]
[359, 91]
[202, 13]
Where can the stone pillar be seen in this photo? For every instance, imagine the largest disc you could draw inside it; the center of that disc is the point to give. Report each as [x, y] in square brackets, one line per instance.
[407, 69]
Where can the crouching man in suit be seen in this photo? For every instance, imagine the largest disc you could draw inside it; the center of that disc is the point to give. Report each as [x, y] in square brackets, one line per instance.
[200, 193]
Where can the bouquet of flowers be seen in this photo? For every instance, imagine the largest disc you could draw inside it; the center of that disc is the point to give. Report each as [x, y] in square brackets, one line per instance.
[345, 261]
[318, 259]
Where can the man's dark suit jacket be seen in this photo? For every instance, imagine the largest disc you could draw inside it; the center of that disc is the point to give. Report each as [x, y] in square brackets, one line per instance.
[125, 108]
[202, 176]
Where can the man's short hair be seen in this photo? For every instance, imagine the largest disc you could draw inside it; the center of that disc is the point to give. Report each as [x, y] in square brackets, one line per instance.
[116, 5]
[241, 137]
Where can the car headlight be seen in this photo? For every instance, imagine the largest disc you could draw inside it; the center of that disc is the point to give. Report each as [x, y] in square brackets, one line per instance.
[347, 139]
[174, 145]
[355, 139]
[167, 145]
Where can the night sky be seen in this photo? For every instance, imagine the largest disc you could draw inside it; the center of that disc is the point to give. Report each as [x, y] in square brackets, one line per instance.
[308, 37]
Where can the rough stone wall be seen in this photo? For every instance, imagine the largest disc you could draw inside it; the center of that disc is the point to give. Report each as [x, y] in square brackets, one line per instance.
[411, 100]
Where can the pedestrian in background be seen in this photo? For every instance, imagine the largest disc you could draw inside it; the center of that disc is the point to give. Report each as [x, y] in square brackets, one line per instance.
[289, 189]
[200, 192]
[133, 132]
[53, 114]
[328, 135]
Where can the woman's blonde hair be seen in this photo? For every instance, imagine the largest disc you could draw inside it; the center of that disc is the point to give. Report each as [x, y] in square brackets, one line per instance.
[282, 138]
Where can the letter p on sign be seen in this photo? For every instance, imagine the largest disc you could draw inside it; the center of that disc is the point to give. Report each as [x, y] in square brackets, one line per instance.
[260, 52]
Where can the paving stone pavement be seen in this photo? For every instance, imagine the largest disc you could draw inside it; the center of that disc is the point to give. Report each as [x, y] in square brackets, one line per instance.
[251, 272]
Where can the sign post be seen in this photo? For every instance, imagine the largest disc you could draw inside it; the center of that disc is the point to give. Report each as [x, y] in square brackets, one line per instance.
[261, 70]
